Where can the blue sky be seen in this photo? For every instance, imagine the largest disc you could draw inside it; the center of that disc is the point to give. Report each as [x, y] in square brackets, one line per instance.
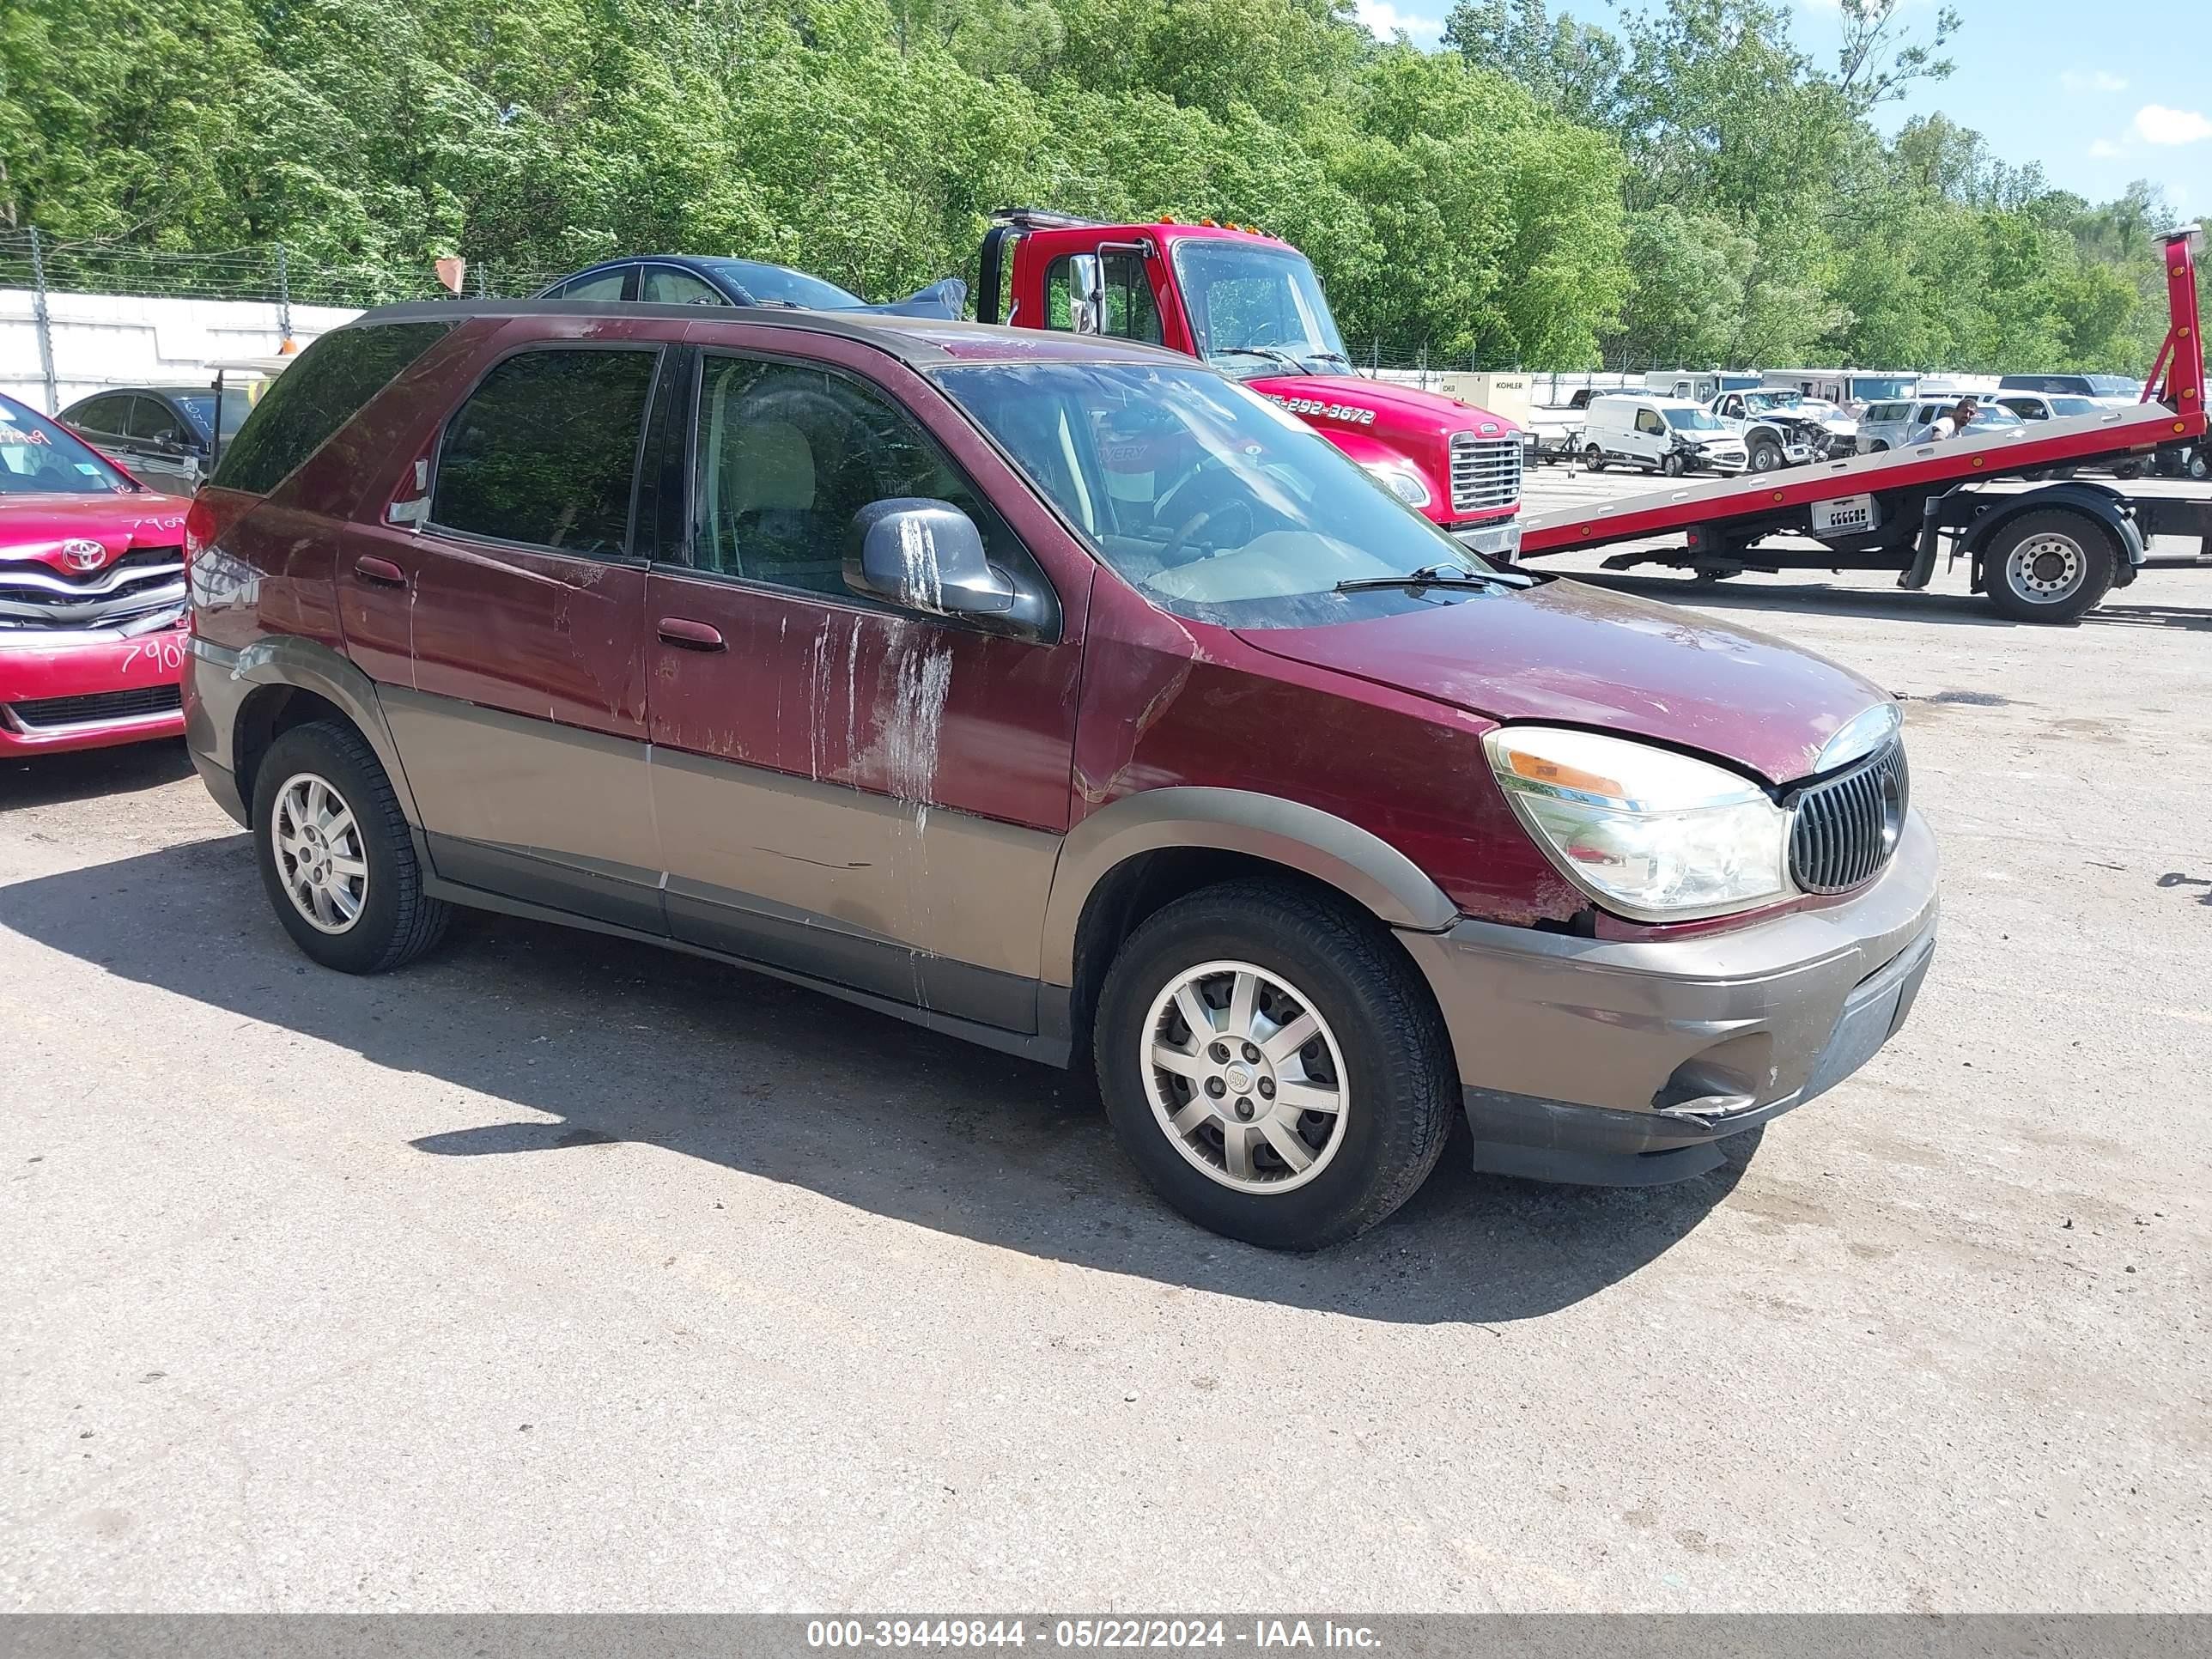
[2101, 92]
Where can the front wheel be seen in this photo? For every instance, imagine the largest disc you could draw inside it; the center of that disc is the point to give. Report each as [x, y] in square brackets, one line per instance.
[1272, 1065]
[1766, 456]
[1671, 465]
[336, 856]
[2049, 567]
[1594, 458]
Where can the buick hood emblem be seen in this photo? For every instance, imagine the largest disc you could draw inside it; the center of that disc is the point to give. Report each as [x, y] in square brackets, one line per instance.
[84, 555]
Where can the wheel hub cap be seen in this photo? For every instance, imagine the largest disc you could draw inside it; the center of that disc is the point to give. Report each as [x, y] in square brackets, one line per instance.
[2045, 569]
[320, 857]
[1245, 1077]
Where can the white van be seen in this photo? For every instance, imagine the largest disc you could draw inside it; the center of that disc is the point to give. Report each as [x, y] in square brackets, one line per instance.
[1660, 435]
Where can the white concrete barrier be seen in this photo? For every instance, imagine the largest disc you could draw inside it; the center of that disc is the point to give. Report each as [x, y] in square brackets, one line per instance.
[100, 340]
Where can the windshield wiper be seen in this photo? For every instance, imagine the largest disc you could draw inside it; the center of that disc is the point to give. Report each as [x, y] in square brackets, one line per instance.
[1265, 353]
[1429, 575]
[1333, 357]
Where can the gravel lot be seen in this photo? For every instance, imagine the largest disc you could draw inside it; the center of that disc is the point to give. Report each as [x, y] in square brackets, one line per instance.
[556, 1273]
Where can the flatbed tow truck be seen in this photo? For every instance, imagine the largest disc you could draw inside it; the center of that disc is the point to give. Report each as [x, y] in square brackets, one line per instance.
[2045, 553]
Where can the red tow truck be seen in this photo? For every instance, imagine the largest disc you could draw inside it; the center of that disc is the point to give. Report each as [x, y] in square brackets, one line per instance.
[1251, 304]
[2044, 552]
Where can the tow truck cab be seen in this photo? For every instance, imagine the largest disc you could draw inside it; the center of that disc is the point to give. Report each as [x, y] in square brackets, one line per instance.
[1251, 304]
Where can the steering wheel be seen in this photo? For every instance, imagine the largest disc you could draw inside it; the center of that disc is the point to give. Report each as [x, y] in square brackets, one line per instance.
[1198, 521]
[1266, 333]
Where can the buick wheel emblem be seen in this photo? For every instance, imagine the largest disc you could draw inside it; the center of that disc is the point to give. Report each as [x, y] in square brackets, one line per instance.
[83, 555]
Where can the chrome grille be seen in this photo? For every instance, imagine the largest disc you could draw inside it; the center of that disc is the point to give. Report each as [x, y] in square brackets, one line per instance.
[1485, 473]
[1845, 827]
[142, 582]
[47, 713]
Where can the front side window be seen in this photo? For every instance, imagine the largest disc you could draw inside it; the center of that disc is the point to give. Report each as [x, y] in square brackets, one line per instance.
[40, 456]
[153, 421]
[664, 285]
[1251, 305]
[788, 454]
[1647, 420]
[326, 386]
[544, 451]
[1207, 499]
[1131, 312]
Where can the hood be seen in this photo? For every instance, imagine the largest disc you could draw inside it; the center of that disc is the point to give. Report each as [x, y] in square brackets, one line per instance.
[1402, 410]
[40, 526]
[1581, 656]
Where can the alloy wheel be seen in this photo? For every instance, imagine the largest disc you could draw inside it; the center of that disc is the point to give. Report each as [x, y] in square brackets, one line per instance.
[1244, 1077]
[320, 858]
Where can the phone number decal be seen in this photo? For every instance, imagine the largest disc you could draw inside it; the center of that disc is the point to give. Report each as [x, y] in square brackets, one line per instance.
[1351, 414]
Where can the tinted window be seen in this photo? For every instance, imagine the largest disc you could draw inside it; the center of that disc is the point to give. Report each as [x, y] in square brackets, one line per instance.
[787, 454]
[152, 421]
[107, 415]
[664, 285]
[316, 396]
[544, 451]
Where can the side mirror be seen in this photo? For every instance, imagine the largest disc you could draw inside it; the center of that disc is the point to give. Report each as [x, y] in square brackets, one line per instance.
[926, 556]
[1086, 298]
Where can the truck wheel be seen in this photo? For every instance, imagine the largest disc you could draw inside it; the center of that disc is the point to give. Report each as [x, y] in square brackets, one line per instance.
[336, 856]
[1766, 456]
[2199, 465]
[1594, 458]
[1273, 1065]
[2049, 567]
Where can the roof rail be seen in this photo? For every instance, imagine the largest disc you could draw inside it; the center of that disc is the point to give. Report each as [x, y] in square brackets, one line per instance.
[1029, 218]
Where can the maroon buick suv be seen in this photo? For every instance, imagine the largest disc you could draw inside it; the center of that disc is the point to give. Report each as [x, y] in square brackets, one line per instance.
[1059, 694]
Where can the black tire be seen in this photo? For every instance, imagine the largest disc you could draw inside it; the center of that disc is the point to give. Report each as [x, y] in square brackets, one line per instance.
[1766, 456]
[1400, 1087]
[2198, 466]
[1879, 447]
[2016, 590]
[397, 921]
[1594, 458]
[1671, 465]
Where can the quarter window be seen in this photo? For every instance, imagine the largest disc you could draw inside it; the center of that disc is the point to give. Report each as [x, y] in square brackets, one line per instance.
[787, 454]
[544, 451]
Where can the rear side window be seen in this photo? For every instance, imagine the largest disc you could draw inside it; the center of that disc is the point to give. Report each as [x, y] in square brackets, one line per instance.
[316, 396]
[544, 451]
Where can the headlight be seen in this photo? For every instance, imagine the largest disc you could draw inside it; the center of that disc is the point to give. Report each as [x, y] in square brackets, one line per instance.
[1400, 478]
[1650, 834]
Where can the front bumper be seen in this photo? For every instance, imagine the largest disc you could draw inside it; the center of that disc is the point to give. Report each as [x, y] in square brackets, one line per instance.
[61, 692]
[1499, 536]
[1626, 1063]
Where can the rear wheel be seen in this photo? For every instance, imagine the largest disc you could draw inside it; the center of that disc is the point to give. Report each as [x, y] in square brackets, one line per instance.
[1272, 1065]
[336, 856]
[2049, 567]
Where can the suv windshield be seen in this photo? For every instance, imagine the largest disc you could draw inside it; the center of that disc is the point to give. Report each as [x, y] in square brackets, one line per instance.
[1872, 388]
[37, 458]
[1252, 306]
[1208, 500]
[1693, 420]
[774, 285]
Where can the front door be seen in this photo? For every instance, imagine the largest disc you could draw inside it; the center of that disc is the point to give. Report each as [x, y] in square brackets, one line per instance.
[858, 793]
[506, 633]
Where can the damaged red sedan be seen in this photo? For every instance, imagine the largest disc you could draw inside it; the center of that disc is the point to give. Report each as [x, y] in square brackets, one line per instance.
[1059, 694]
[92, 595]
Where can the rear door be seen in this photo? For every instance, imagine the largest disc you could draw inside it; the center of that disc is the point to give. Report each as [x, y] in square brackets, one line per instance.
[863, 794]
[506, 631]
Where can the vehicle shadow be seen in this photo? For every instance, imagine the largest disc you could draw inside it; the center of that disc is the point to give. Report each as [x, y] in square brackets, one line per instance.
[591, 1040]
[50, 780]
